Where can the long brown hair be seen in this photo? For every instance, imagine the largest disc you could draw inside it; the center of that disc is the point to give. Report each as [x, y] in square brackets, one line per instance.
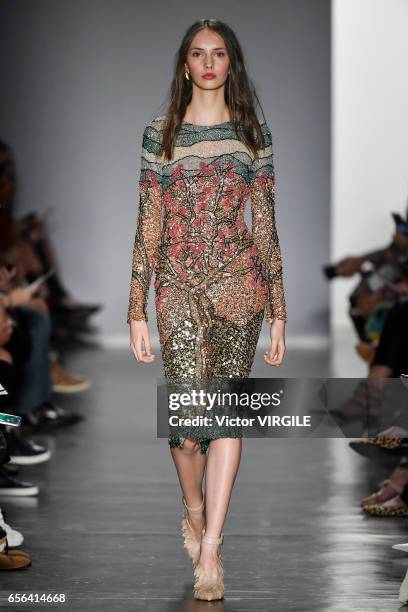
[240, 94]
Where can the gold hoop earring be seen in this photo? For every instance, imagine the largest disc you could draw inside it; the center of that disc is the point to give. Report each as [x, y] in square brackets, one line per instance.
[186, 74]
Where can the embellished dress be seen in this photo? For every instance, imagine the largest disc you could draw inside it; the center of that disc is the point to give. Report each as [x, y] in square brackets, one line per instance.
[215, 279]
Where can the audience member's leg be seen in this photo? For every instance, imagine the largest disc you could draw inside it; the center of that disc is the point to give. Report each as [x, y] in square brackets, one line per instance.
[391, 355]
[35, 384]
[47, 256]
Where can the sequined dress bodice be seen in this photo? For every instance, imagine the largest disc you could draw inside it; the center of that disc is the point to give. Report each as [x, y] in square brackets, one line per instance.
[215, 279]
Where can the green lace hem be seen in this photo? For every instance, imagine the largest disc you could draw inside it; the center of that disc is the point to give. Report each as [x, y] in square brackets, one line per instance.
[177, 441]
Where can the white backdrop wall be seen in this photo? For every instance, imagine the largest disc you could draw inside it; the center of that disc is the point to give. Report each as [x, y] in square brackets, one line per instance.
[369, 130]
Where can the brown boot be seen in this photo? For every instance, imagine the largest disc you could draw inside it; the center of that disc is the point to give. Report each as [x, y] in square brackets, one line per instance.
[15, 561]
[64, 382]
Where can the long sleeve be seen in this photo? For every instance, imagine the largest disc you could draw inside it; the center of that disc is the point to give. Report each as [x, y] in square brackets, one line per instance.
[147, 237]
[265, 235]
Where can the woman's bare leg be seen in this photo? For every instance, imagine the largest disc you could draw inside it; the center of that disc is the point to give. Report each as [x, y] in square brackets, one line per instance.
[190, 465]
[224, 456]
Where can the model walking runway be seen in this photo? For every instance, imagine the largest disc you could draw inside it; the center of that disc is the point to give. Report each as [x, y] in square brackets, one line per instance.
[215, 279]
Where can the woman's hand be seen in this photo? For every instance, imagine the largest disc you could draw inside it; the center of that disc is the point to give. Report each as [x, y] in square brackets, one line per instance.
[140, 341]
[21, 295]
[274, 356]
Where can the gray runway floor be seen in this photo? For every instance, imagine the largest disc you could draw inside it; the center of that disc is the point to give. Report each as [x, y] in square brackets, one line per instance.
[105, 528]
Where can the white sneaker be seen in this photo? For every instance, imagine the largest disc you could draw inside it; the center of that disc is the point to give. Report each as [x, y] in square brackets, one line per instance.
[403, 547]
[403, 592]
[14, 537]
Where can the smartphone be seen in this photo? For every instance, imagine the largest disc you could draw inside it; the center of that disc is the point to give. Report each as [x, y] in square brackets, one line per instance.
[41, 279]
[10, 419]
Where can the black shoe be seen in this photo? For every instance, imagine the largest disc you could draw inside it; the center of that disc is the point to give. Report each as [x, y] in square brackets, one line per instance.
[11, 468]
[67, 417]
[23, 451]
[18, 488]
[50, 416]
[27, 452]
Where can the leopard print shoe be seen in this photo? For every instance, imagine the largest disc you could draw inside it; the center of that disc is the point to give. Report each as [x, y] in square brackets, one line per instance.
[392, 507]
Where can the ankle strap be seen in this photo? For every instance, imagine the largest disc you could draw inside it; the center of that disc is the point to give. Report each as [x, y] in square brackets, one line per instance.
[394, 485]
[200, 507]
[213, 540]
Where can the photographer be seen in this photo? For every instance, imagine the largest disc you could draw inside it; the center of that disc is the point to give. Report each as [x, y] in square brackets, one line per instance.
[377, 290]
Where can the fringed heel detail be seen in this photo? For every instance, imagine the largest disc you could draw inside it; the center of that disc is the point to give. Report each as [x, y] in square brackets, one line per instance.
[209, 584]
[191, 544]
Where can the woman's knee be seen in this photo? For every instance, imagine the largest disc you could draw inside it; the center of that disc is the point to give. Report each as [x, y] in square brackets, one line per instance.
[190, 446]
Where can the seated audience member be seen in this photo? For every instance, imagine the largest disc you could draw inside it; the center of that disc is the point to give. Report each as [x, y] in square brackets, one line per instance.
[34, 390]
[68, 315]
[20, 451]
[10, 557]
[375, 292]
[17, 292]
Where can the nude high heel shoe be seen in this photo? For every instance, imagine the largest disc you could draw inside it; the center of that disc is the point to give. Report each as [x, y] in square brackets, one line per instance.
[209, 585]
[191, 544]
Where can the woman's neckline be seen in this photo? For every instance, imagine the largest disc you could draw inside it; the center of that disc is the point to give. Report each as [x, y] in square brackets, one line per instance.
[200, 125]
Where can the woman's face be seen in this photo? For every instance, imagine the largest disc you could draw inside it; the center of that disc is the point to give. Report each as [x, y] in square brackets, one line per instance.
[208, 55]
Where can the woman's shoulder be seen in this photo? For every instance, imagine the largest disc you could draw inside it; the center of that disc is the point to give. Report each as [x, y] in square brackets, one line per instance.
[152, 135]
[267, 134]
[156, 123]
[264, 125]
